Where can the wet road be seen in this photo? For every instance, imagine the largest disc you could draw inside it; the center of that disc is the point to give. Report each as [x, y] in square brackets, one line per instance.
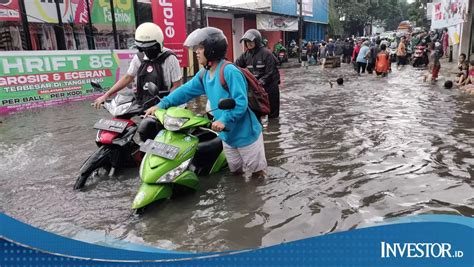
[340, 158]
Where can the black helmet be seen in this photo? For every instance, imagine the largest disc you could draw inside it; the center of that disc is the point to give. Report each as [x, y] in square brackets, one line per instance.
[253, 36]
[213, 40]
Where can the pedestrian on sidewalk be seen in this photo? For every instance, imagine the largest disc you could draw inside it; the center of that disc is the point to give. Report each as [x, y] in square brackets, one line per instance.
[469, 82]
[347, 51]
[311, 53]
[363, 57]
[435, 65]
[463, 67]
[263, 65]
[373, 56]
[355, 53]
[331, 48]
[304, 56]
[339, 48]
[445, 42]
[382, 63]
[401, 53]
[323, 54]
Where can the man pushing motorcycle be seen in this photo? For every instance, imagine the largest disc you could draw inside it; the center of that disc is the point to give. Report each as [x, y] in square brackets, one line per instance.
[153, 63]
[239, 128]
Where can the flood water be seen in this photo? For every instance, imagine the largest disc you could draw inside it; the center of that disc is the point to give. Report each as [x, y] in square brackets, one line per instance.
[339, 158]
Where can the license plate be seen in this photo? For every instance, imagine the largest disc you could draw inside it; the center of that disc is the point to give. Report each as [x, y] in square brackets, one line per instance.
[160, 149]
[111, 125]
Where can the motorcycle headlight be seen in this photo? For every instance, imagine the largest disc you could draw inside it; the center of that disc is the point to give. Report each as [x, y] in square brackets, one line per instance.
[173, 123]
[118, 110]
[169, 176]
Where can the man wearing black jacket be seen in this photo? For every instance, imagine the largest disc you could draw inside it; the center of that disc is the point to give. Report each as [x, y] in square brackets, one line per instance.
[263, 64]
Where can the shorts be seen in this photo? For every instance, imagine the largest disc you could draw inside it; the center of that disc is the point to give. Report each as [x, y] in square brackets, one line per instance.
[248, 158]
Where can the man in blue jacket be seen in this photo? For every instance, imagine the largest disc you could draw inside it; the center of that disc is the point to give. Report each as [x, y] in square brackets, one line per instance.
[243, 140]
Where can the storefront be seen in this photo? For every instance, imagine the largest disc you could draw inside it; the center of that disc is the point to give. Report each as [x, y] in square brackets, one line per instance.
[454, 16]
[70, 24]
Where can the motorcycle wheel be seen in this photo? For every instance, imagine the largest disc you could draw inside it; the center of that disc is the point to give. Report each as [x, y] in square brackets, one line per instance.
[95, 161]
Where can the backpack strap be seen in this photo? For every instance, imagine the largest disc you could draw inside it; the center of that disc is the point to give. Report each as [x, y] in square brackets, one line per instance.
[141, 56]
[221, 75]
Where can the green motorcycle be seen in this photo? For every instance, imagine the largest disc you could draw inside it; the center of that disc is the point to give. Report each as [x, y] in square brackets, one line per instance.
[185, 149]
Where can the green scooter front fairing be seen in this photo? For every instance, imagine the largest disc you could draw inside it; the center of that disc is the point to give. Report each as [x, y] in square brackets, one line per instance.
[181, 152]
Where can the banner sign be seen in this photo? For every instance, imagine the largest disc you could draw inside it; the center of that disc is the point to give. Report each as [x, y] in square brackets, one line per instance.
[9, 10]
[81, 14]
[123, 9]
[307, 8]
[45, 11]
[276, 23]
[170, 16]
[448, 13]
[42, 78]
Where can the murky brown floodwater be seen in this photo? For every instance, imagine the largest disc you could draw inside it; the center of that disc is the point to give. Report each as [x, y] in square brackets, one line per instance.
[339, 159]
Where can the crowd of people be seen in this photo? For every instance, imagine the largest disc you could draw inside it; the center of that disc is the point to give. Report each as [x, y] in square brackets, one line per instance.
[376, 54]
[241, 128]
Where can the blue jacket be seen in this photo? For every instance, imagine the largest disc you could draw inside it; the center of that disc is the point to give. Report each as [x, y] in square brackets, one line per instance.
[244, 127]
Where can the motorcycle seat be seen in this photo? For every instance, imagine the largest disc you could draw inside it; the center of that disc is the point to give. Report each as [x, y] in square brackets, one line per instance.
[206, 154]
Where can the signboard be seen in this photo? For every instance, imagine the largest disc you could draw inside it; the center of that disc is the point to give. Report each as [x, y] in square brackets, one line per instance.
[448, 13]
[45, 11]
[307, 8]
[9, 10]
[276, 23]
[81, 14]
[123, 10]
[42, 78]
[170, 16]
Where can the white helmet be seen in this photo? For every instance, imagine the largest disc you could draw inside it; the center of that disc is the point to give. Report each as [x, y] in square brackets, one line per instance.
[147, 35]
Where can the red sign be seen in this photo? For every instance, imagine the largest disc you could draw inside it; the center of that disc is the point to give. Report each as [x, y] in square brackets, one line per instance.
[170, 16]
[9, 10]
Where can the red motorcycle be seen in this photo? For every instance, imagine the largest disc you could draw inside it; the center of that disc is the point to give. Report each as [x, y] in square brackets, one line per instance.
[115, 145]
[420, 57]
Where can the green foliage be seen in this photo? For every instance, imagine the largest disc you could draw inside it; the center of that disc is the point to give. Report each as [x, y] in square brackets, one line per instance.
[335, 25]
[357, 13]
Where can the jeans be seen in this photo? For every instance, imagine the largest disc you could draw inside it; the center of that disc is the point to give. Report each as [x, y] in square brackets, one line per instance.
[361, 65]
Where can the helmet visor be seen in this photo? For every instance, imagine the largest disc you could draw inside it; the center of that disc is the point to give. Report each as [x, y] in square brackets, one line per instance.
[248, 36]
[195, 38]
[145, 44]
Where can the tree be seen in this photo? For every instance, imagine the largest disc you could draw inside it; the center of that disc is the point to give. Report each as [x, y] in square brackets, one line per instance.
[335, 25]
[357, 13]
[417, 13]
[354, 16]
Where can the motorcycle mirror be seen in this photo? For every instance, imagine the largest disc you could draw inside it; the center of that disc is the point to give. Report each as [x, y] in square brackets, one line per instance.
[96, 86]
[226, 103]
[152, 88]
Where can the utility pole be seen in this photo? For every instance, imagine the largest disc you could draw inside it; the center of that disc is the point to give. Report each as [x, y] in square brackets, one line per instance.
[59, 28]
[24, 24]
[90, 35]
[300, 23]
[201, 12]
[114, 27]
